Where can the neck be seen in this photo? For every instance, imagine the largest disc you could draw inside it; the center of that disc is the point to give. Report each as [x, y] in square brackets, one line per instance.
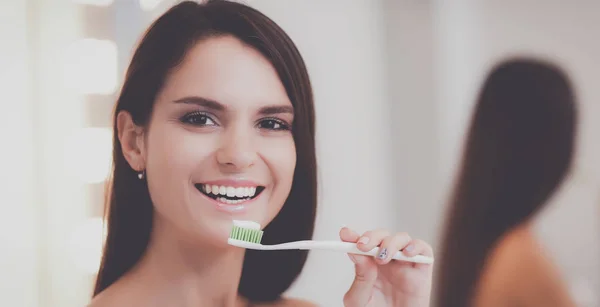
[180, 272]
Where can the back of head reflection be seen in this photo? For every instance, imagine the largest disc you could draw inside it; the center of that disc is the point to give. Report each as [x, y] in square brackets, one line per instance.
[519, 149]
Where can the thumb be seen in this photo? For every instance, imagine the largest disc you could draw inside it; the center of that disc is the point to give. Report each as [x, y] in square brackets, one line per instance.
[365, 270]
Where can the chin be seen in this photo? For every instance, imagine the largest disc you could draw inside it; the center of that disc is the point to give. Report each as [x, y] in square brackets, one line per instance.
[215, 231]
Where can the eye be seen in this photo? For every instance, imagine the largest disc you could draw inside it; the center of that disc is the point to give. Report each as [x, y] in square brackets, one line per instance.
[273, 124]
[198, 119]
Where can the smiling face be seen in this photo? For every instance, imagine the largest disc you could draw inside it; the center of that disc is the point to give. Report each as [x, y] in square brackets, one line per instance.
[219, 144]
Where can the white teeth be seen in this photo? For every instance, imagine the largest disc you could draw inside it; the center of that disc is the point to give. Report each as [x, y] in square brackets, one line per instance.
[240, 192]
[231, 202]
[229, 191]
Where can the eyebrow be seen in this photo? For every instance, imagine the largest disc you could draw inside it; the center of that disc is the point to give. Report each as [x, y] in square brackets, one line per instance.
[208, 103]
[217, 106]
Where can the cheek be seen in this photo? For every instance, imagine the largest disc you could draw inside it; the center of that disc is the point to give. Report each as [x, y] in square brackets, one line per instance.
[173, 155]
[178, 152]
[282, 162]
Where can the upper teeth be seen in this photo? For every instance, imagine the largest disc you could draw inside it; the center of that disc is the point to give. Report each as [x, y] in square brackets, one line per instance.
[229, 191]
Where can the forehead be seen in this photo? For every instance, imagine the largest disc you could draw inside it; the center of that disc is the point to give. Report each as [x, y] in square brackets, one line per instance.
[226, 70]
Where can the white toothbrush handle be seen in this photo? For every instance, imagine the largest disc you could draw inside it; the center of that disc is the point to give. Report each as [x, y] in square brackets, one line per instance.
[348, 247]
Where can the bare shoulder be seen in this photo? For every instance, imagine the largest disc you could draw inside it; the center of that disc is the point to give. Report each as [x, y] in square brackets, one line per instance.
[289, 302]
[519, 268]
[543, 284]
[494, 286]
[119, 294]
[500, 281]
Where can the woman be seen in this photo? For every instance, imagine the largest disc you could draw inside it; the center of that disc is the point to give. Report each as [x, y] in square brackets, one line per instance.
[519, 149]
[215, 121]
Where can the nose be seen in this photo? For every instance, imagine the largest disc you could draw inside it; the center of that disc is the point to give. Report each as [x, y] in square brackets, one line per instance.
[236, 152]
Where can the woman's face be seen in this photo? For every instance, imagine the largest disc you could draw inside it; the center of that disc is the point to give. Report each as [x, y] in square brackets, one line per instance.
[219, 145]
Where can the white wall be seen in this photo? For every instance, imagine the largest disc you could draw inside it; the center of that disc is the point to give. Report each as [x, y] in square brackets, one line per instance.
[58, 112]
[18, 220]
[410, 78]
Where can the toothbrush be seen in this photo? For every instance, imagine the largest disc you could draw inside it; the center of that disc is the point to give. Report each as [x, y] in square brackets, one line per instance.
[247, 234]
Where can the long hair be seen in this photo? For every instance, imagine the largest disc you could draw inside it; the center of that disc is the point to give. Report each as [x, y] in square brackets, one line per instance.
[518, 150]
[265, 275]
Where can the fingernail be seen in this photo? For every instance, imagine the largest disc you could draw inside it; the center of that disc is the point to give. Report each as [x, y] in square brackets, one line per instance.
[409, 248]
[352, 258]
[363, 240]
[382, 254]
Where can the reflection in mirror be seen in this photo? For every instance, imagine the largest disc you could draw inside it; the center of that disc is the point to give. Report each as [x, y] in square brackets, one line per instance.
[519, 150]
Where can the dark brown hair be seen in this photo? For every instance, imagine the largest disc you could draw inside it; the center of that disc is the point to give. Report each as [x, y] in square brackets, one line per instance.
[265, 275]
[518, 150]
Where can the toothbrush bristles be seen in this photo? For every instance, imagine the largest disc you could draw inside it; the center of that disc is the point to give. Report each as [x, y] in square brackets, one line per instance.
[245, 234]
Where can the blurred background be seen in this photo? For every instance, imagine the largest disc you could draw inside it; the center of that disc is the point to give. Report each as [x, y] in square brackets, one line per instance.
[394, 82]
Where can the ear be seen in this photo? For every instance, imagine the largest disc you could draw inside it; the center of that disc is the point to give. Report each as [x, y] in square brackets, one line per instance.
[132, 141]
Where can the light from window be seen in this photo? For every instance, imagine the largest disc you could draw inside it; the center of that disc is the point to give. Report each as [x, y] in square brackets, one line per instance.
[88, 154]
[149, 5]
[90, 66]
[94, 2]
[86, 242]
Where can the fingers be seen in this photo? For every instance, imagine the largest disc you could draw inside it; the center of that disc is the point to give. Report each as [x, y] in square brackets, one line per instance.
[371, 239]
[348, 235]
[366, 267]
[418, 247]
[391, 245]
[365, 270]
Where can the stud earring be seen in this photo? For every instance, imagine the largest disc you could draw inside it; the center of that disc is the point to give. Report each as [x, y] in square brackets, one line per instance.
[142, 174]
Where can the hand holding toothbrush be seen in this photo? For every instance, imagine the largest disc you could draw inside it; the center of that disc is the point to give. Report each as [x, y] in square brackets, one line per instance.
[381, 282]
